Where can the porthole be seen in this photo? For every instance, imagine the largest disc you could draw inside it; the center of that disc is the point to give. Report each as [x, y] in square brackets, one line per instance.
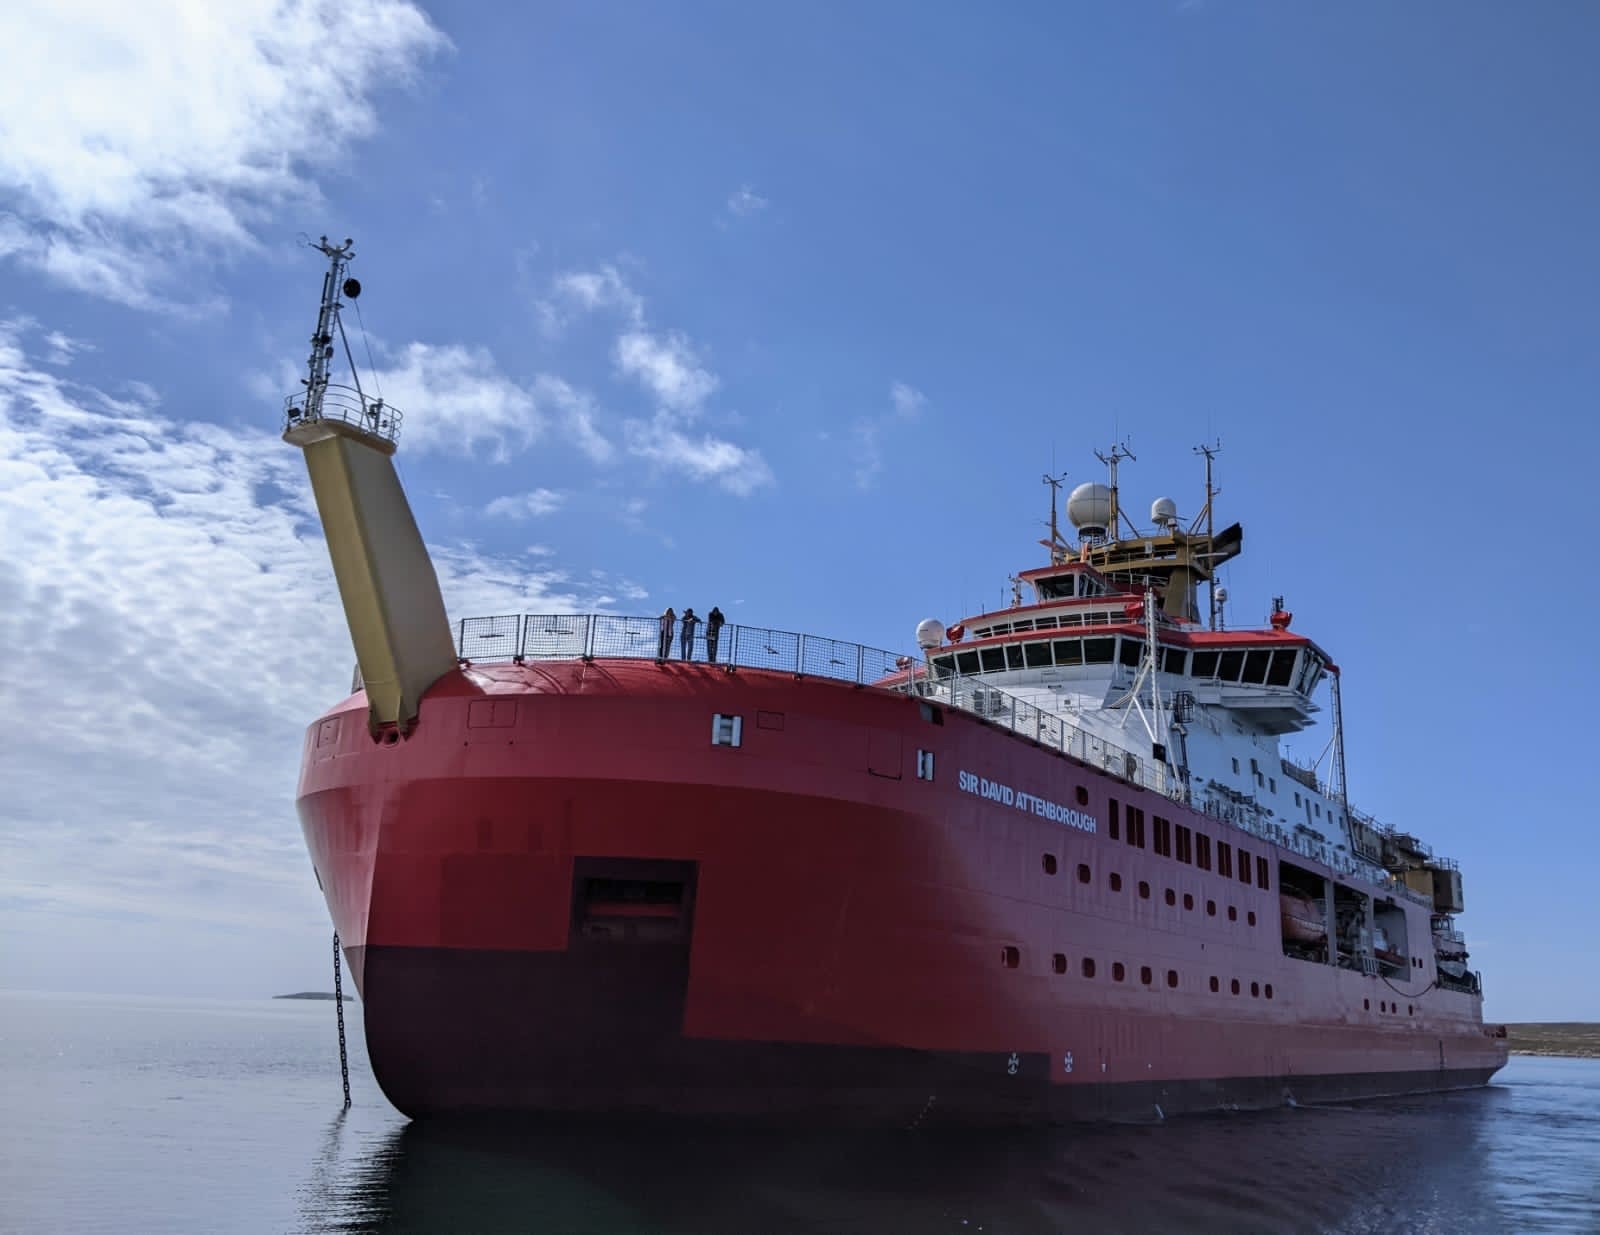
[1233, 914]
[1145, 975]
[1172, 897]
[1116, 882]
[1188, 901]
[1059, 962]
[1235, 986]
[1144, 890]
[1083, 873]
[1267, 990]
[1172, 977]
[1215, 985]
[1211, 909]
[1049, 863]
[1010, 957]
[1118, 971]
[1255, 990]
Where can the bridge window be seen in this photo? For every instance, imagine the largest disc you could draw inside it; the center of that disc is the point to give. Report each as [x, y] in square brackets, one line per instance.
[1013, 656]
[1130, 652]
[1255, 666]
[1098, 651]
[994, 659]
[1172, 660]
[944, 664]
[1203, 665]
[1282, 671]
[967, 662]
[1069, 651]
[1229, 667]
[1037, 655]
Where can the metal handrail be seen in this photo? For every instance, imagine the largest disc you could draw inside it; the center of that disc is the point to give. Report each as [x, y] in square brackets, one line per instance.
[519, 638]
[349, 405]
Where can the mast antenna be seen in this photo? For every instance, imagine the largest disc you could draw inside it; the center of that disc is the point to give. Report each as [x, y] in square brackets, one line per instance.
[1057, 549]
[1118, 453]
[1209, 514]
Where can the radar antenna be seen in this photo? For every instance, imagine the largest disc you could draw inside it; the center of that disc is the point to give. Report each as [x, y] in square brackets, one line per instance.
[1118, 453]
[1209, 515]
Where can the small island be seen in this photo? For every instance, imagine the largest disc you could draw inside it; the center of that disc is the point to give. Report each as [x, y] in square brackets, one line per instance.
[315, 995]
[1580, 1039]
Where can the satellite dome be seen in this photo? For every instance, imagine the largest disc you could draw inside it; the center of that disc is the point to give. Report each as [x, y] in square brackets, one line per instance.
[1163, 512]
[1089, 507]
[930, 633]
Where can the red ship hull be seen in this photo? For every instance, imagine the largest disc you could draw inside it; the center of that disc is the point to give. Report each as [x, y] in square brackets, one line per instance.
[558, 895]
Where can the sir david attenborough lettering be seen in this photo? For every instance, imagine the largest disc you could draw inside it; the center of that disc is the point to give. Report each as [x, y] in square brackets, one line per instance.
[1008, 795]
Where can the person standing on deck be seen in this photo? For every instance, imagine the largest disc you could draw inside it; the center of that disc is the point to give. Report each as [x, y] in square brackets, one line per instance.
[714, 621]
[689, 623]
[669, 619]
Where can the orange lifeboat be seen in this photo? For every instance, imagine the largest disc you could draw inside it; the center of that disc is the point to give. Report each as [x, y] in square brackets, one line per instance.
[1302, 920]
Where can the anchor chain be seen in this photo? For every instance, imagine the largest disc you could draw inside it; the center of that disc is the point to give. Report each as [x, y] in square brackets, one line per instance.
[338, 1002]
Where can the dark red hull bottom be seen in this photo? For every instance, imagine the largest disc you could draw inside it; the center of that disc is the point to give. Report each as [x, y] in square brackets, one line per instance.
[571, 1033]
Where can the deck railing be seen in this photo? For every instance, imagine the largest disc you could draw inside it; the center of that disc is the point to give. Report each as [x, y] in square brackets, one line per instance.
[602, 636]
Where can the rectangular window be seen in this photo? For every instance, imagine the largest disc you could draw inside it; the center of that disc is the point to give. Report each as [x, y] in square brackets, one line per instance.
[1202, 851]
[1037, 655]
[1232, 663]
[1098, 651]
[1172, 660]
[1272, 783]
[967, 662]
[1255, 666]
[1204, 665]
[1224, 859]
[1114, 819]
[1263, 873]
[1235, 767]
[1244, 867]
[1282, 671]
[1014, 656]
[1136, 827]
[1130, 652]
[1069, 651]
[994, 659]
[1185, 845]
[1163, 844]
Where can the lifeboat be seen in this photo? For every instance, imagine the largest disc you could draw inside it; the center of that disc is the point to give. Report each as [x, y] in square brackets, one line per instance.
[1302, 920]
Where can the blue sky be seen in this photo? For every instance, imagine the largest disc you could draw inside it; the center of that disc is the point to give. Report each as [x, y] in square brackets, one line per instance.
[785, 310]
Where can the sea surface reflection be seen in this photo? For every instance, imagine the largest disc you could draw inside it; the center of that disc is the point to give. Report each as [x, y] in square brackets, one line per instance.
[197, 1117]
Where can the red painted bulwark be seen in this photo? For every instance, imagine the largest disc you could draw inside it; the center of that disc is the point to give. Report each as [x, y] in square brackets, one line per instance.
[558, 894]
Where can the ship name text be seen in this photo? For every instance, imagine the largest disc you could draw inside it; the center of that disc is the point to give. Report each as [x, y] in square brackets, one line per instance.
[1008, 795]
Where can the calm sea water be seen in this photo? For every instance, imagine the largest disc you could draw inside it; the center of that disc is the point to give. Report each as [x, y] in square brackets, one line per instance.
[181, 1116]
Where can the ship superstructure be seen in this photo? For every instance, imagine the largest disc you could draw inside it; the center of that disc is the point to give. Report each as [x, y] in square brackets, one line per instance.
[1051, 866]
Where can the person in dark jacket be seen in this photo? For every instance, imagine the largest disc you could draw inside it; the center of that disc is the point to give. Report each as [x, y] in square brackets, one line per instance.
[714, 621]
[687, 643]
[669, 619]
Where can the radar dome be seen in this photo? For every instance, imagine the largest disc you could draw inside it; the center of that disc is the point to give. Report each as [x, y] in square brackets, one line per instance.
[930, 633]
[1222, 595]
[1163, 512]
[1089, 507]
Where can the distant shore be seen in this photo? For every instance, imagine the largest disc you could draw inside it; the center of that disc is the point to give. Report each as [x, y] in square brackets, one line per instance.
[1576, 1038]
[315, 995]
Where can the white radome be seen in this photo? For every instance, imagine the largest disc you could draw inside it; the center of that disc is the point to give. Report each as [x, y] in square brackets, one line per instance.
[1163, 512]
[1089, 505]
[930, 633]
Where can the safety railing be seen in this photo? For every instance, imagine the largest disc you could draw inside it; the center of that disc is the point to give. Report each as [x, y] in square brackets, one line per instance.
[348, 405]
[602, 636]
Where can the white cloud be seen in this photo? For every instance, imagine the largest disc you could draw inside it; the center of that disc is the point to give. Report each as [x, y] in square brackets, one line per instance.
[576, 413]
[526, 505]
[908, 401]
[455, 400]
[739, 470]
[134, 138]
[666, 366]
[746, 201]
[906, 404]
[589, 290]
[173, 626]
